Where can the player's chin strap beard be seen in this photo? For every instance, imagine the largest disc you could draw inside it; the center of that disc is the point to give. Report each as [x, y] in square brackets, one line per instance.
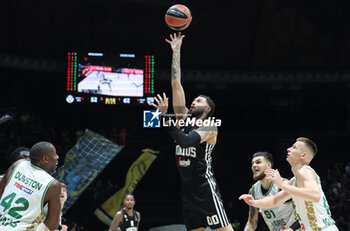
[259, 177]
[195, 113]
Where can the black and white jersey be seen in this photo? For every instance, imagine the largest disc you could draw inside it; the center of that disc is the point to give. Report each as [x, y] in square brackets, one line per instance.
[194, 163]
[202, 203]
[129, 222]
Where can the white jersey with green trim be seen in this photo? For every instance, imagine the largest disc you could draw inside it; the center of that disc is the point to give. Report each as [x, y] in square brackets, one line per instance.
[314, 216]
[277, 218]
[21, 204]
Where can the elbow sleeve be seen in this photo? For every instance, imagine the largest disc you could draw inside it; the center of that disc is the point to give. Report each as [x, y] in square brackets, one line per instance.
[183, 139]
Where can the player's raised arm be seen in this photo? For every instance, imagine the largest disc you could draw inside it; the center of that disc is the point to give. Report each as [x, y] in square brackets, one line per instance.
[179, 101]
[162, 103]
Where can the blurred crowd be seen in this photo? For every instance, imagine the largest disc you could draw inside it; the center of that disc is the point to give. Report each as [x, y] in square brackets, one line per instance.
[25, 129]
[337, 189]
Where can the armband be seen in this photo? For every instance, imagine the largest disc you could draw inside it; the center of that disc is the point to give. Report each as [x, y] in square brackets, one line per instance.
[182, 139]
[295, 225]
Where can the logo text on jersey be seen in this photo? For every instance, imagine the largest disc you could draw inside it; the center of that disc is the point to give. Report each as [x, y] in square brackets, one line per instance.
[184, 163]
[189, 152]
[23, 188]
[28, 181]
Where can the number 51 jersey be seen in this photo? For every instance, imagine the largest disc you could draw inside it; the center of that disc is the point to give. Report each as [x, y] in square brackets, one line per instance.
[21, 204]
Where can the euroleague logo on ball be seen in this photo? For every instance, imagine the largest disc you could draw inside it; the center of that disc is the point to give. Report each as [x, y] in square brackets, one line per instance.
[178, 17]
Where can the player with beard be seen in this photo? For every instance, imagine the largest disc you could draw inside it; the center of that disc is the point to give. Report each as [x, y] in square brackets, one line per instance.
[278, 218]
[126, 219]
[305, 188]
[202, 203]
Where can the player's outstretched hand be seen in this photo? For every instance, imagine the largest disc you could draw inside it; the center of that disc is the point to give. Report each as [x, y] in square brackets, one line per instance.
[175, 41]
[249, 199]
[162, 103]
[275, 175]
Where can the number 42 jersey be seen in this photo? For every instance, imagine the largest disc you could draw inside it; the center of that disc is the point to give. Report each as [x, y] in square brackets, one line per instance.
[21, 204]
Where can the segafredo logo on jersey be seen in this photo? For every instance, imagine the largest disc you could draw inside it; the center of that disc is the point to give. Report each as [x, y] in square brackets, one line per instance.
[23, 188]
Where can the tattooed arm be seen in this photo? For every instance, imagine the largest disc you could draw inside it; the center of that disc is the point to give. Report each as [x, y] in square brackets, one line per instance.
[252, 222]
[179, 101]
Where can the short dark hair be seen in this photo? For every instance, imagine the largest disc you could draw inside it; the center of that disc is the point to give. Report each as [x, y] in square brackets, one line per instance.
[309, 144]
[40, 149]
[129, 194]
[18, 154]
[266, 155]
[210, 103]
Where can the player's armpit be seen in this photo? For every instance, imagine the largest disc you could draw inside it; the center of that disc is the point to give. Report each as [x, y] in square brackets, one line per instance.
[207, 133]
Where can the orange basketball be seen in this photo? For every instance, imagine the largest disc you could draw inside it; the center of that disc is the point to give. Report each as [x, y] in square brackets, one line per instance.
[178, 17]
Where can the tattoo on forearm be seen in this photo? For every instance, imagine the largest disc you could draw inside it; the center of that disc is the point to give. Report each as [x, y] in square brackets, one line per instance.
[252, 211]
[175, 66]
[253, 218]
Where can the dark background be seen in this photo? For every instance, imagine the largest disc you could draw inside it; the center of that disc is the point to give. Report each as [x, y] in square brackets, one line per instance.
[276, 70]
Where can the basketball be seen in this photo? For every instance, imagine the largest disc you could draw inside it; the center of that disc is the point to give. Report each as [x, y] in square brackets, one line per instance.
[178, 17]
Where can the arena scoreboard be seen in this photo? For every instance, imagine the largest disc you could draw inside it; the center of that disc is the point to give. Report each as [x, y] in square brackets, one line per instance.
[109, 78]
